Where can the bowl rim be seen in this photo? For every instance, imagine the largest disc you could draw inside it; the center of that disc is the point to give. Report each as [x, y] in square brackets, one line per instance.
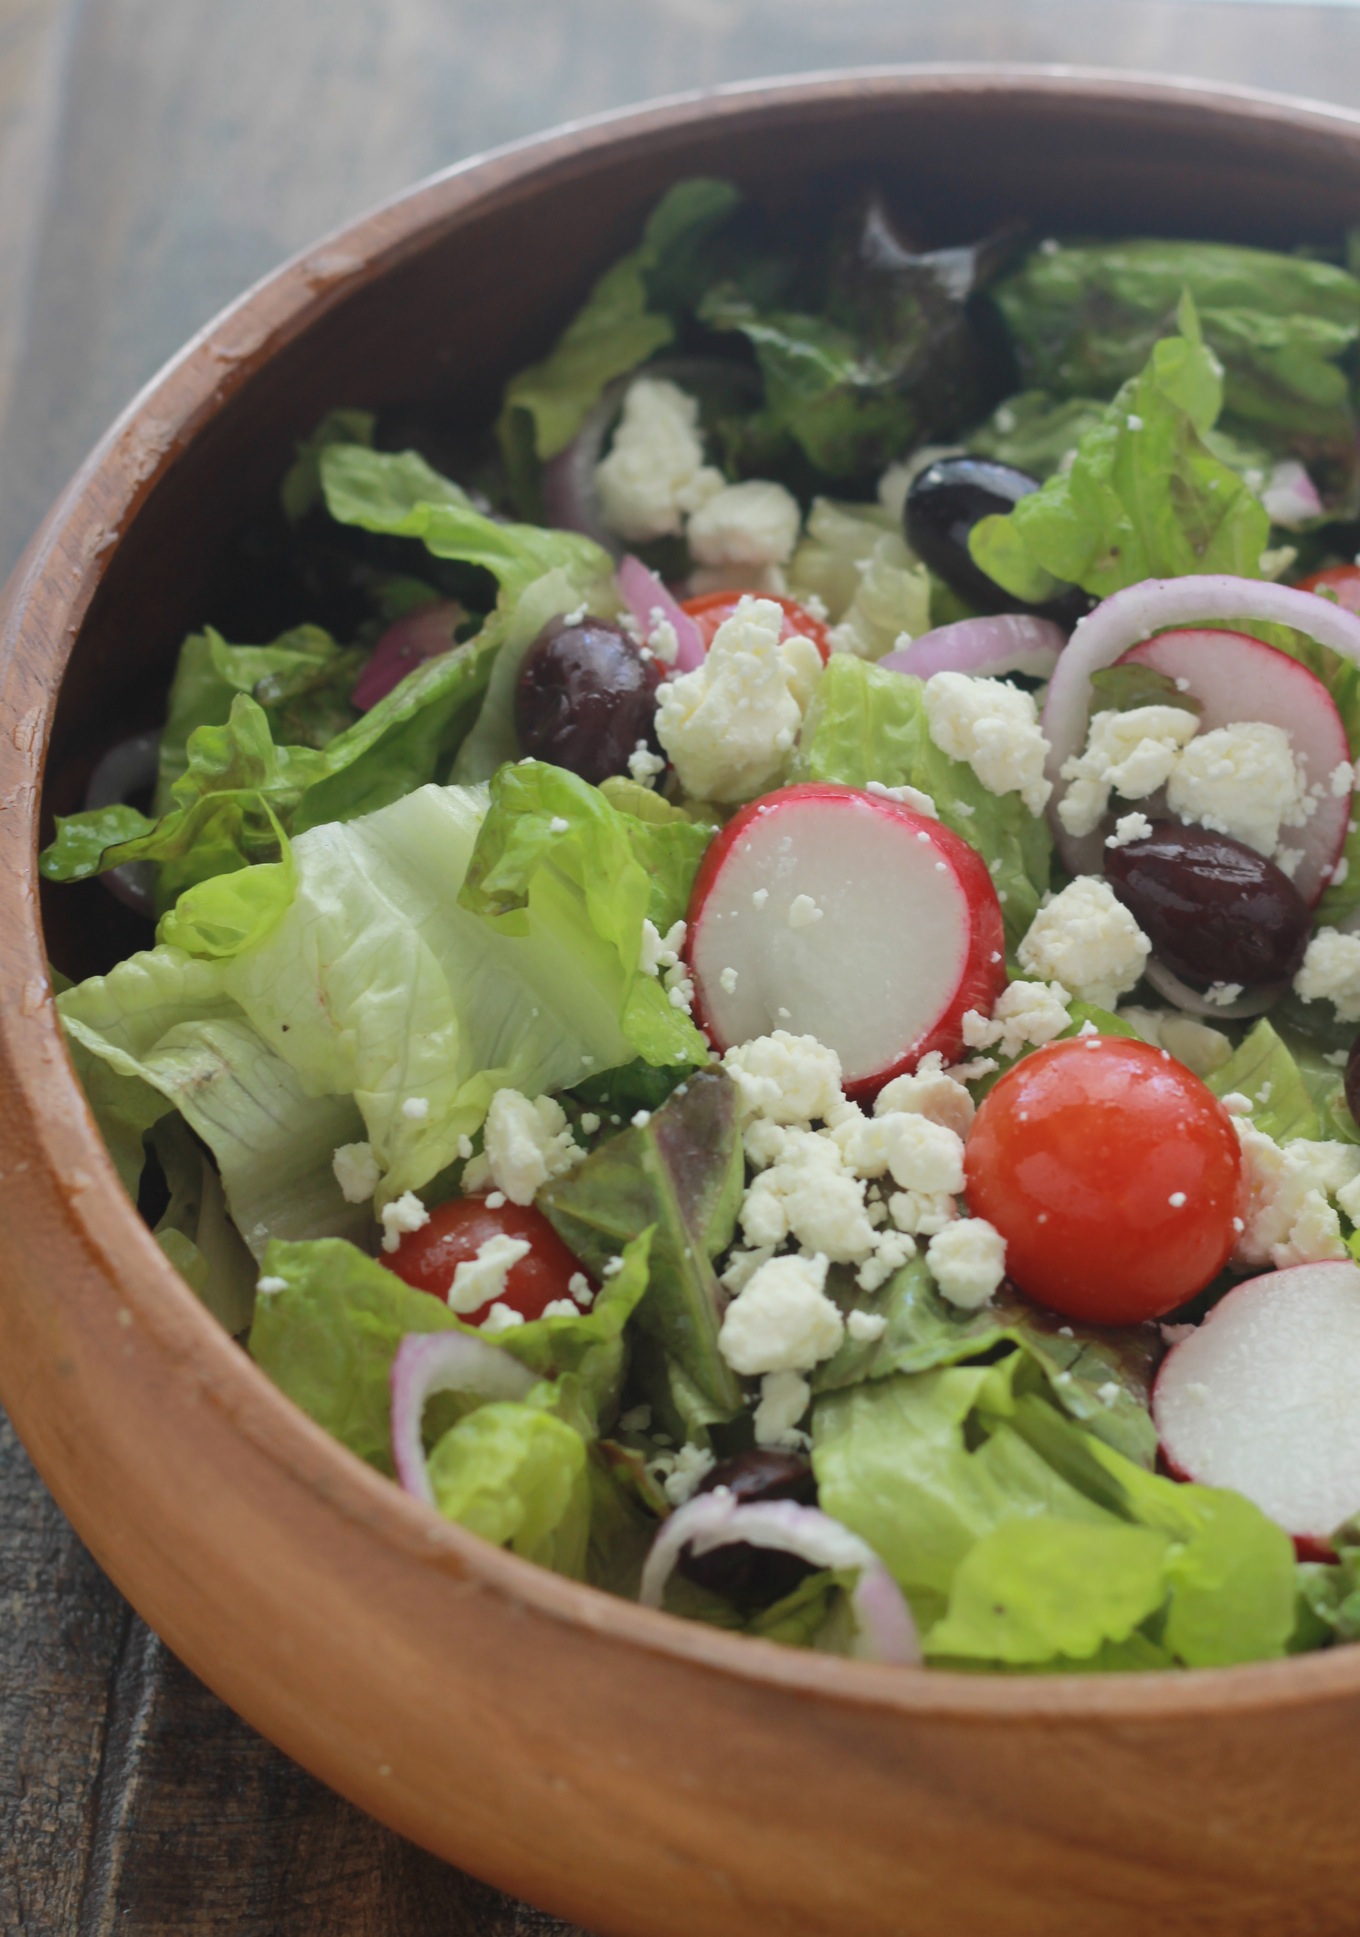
[76, 539]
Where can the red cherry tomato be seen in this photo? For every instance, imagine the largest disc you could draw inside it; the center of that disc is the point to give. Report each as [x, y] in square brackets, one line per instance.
[1113, 1174]
[456, 1232]
[709, 611]
[1342, 581]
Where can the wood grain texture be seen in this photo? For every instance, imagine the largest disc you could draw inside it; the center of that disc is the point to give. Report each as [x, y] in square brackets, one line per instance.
[156, 155]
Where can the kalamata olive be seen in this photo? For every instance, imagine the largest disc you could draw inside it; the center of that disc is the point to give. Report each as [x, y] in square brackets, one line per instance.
[752, 1577]
[944, 503]
[1214, 909]
[584, 698]
[1353, 1080]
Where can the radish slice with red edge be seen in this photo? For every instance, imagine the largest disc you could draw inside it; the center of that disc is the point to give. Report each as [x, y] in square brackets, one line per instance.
[430, 1362]
[842, 914]
[646, 597]
[1235, 678]
[426, 633]
[1262, 1398]
[1127, 619]
[884, 1628]
[1009, 642]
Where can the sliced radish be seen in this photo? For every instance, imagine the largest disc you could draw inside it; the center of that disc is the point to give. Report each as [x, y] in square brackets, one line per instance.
[1236, 677]
[1262, 1398]
[844, 915]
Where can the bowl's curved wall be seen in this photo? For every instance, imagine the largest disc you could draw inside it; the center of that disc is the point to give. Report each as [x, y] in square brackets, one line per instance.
[629, 1771]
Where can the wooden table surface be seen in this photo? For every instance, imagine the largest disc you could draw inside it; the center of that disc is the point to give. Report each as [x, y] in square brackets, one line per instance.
[155, 157]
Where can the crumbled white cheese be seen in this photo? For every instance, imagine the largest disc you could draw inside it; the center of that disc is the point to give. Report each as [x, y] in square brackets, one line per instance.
[810, 1194]
[730, 725]
[590, 1122]
[527, 1143]
[266, 1287]
[930, 1093]
[692, 1464]
[405, 1213]
[1086, 939]
[356, 1171]
[501, 1318]
[655, 471]
[907, 797]
[1129, 827]
[481, 1280]
[558, 824]
[866, 1327]
[1223, 994]
[416, 1108]
[579, 1286]
[787, 1079]
[967, 1261]
[1027, 1014]
[784, 1398]
[1287, 1218]
[1331, 973]
[1241, 780]
[995, 728]
[1131, 753]
[679, 986]
[660, 951]
[742, 1266]
[750, 524]
[803, 912]
[783, 1321]
[727, 981]
[644, 765]
[919, 1154]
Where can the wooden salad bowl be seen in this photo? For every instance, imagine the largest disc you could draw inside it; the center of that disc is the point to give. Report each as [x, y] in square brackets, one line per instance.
[640, 1775]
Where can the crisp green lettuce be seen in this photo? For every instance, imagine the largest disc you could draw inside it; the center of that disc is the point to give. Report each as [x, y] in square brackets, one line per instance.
[517, 1475]
[1262, 1069]
[1084, 318]
[1036, 433]
[1145, 497]
[866, 723]
[301, 487]
[195, 1232]
[622, 322]
[681, 1171]
[854, 559]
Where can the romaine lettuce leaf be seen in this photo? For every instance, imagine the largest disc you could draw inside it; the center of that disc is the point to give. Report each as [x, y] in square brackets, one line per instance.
[1036, 433]
[1145, 497]
[618, 327]
[301, 487]
[866, 723]
[1263, 1069]
[682, 1171]
[1084, 317]
[195, 1232]
[517, 1475]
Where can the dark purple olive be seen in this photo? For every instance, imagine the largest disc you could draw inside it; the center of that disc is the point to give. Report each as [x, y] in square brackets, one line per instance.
[943, 504]
[752, 1577]
[1214, 909]
[584, 698]
[1353, 1080]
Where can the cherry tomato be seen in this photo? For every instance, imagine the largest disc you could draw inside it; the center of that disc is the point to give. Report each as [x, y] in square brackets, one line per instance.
[1113, 1174]
[712, 608]
[456, 1232]
[1342, 581]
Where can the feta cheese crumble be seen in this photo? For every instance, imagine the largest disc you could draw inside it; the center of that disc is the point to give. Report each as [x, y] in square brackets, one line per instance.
[1027, 1014]
[967, 1260]
[1242, 780]
[1331, 973]
[995, 728]
[1287, 1218]
[1086, 940]
[655, 471]
[405, 1213]
[730, 725]
[356, 1171]
[784, 1398]
[751, 524]
[1131, 753]
[481, 1280]
[786, 1079]
[526, 1143]
[783, 1321]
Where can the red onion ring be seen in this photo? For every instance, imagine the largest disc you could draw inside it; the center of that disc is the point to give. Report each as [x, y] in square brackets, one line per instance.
[430, 1362]
[1128, 617]
[645, 596]
[426, 633]
[1290, 496]
[127, 768]
[1009, 642]
[885, 1630]
[1254, 1002]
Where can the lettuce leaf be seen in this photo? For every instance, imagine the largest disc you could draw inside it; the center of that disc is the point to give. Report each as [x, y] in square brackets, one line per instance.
[329, 1337]
[1264, 1070]
[195, 1232]
[618, 327]
[681, 1171]
[301, 487]
[1145, 496]
[1036, 433]
[517, 1475]
[1084, 317]
[865, 724]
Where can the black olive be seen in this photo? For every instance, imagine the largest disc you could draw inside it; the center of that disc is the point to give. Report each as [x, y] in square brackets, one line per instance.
[943, 504]
[752, 1577]
[584, 698]
[1213, 908]
[1353, 1080]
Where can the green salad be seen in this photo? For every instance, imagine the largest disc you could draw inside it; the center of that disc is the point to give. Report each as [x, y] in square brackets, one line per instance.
[755, 968]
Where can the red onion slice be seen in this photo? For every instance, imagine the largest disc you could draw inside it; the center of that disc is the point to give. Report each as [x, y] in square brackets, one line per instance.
[426, 633]
[567, 484]
[1291, 497]
[885, 1630]
[1254, 1002]
[1128, 617]
[1009, 642]
[430, 1362]
[128, 768]
[646, 597]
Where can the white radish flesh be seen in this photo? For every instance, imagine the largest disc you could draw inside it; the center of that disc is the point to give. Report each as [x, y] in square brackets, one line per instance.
[845, 916]
[1236, 677]
[1262, 1397]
